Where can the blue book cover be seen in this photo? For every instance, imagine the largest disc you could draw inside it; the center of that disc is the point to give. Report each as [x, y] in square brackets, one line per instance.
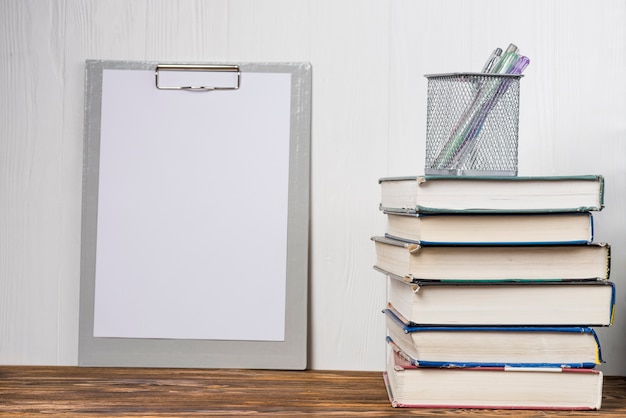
[494, 346]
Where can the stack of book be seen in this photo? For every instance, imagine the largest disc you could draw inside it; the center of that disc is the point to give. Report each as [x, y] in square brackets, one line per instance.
[494, 287]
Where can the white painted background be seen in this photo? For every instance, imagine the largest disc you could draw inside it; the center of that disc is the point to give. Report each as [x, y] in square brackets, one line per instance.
[369, 121]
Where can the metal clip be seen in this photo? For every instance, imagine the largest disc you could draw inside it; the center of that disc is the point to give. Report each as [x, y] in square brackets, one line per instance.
[161, 69]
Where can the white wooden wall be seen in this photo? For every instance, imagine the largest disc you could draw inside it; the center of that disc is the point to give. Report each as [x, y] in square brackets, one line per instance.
[369, 115]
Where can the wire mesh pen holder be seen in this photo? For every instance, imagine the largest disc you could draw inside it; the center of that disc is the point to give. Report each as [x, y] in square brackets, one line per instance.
[472, 124]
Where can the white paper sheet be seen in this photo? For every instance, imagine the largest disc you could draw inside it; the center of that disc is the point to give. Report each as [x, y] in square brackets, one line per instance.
[192, 210]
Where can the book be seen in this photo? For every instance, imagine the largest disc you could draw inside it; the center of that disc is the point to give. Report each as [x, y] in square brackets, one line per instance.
[485, 194]
[580, 303]
[511, 262]
[495, 346]
[490, 387]
[491, 229]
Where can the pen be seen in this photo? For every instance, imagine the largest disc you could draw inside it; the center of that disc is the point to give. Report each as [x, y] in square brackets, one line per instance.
[492, 60]
[487, 92]
[508, 58]
[460, 130]
[468, 143]
[520, 65]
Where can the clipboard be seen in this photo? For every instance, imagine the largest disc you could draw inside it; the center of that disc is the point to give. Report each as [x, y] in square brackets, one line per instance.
[195, 215]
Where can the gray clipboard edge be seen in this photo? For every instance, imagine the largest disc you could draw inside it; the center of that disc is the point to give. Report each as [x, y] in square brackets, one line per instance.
[290, 354]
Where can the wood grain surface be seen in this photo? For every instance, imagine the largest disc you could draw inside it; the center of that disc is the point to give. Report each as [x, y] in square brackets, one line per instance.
[115, 392]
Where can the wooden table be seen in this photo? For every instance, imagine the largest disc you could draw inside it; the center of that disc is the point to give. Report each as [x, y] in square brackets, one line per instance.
[116, 392]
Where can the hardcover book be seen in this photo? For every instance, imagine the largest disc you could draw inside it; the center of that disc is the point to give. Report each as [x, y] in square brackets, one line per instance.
[488, 194]
[494, 346]
[491, 229]
[490, 387]
[580, 303]
[510, 262]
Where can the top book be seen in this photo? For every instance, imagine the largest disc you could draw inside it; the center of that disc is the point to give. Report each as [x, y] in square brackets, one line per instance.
[438, 194]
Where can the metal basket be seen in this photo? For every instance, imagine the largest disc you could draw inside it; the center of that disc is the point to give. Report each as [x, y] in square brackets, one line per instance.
[472, 124]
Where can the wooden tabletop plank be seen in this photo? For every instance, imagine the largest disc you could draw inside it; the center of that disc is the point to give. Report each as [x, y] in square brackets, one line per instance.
[66, 391]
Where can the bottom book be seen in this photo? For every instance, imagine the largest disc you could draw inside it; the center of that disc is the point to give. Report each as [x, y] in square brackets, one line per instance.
[410, 386]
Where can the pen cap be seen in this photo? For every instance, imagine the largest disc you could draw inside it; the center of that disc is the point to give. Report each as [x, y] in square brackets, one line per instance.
[511, 48]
